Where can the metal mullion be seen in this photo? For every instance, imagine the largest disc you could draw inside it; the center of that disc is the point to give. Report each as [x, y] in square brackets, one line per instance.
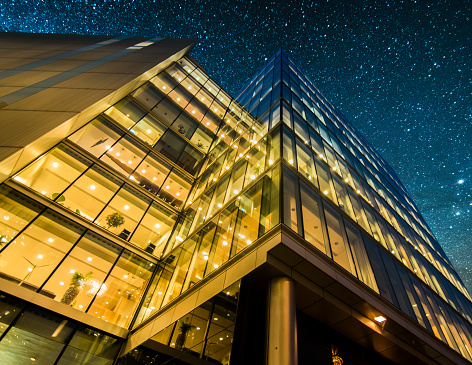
[105, 279]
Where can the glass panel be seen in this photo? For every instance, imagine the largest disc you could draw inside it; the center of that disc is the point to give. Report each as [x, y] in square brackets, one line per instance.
[154, 229]
[181, 269]
[170, 145]
[126, 112]
[247, 227]
[124, 156]
[190, 160]
[364, 270]
[270, 215]
[175, 189]
[89, 346]
[167, 111]
[97, 137]
[305, 163]
[288, 149]
[151, 173]
[199, 262]
[339, 248]
[80, 276]
[148, 95]
[185, 125]
[291, 202]
[52, 173]
[223, 239]
[16, 211]
[91, 192]
[324, 178]
[124, 211]
[125, 286]
[33, 255]
[311, 212]
[36, 328]
[149, 129]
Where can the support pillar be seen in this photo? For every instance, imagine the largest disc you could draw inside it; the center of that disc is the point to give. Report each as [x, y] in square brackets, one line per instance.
[281, 343]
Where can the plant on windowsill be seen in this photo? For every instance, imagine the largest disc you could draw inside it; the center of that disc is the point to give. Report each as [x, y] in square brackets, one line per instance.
[256, 169]
[184, 328]
[59, 200]
[115, 220]
[76, 283]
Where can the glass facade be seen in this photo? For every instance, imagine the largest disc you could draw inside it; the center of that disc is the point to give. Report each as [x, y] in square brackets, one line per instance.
[30, 334]
[170, 183]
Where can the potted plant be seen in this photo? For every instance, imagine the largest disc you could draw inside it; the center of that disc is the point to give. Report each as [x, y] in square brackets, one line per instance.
[76, 282]
[184, 328]
[115, 220]
[60, 198]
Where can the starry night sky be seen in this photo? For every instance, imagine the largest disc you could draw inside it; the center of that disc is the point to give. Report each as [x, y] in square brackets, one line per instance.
[401, 71]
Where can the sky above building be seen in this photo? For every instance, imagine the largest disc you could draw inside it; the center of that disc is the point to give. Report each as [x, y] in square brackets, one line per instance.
[400, 71]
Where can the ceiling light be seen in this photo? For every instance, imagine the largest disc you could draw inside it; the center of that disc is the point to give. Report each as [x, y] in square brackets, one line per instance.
[380, 319]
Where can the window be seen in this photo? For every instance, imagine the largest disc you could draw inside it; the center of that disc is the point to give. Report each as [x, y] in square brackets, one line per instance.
[311, 213]
[31, 257]
[291, 201]
[339, 248]
[80, 276]
[97, 137]
[52, 173]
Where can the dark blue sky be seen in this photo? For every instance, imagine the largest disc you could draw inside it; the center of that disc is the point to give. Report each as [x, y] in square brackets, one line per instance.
[401, 71]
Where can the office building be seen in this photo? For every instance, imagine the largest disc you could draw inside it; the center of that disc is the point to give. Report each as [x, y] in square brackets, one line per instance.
[148, 217]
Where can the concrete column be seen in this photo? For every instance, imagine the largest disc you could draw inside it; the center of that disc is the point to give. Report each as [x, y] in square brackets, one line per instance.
[281, 343]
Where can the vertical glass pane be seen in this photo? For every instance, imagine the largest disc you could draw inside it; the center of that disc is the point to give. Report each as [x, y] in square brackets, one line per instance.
[30, 258]
[53, 172]
[80, 276]
[339, 248]
[91, 192]
[16, 211]
[151, 173]
[364, 269]
[126, 112]
[270, 214]
[149, 129]
[247, 227]
[154, 229]
[181, 269]
[291, 201]
[38, 329]
[324, 178]
[124, 156]
[148, 95]
[199, 262]
[170, 145]
[175, 189]
[89, 346]
[289, 148]
[223, 239]
[97, 137]
[311, 212]
[125, 286]
[305, 163]
[124, 211]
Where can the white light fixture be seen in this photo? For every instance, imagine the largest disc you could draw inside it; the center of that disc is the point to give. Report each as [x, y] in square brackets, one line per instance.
[126, 207]
[89, 259]
[325, 192]
[157, 225]
[55, 164]
[380, 319]
[40, 256]
[51, 239]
